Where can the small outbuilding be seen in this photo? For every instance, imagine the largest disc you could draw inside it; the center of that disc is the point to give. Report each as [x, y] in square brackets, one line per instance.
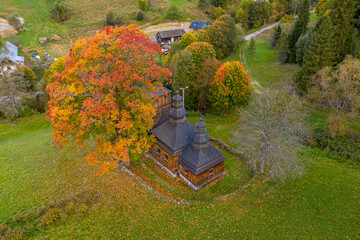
[43, 40]
[55, 37]
[10, 51]
[169, 36]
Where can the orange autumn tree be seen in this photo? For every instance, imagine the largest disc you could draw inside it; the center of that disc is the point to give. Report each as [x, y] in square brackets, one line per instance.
[102, 95]
[230, 86]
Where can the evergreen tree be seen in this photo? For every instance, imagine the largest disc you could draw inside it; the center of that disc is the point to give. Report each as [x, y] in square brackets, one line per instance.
[302, 46]
[341, 17]
[300, 27]
[318, 55]
[252, 48]
[333, 41]
[275, 37]
[140, 16]
[283, 48]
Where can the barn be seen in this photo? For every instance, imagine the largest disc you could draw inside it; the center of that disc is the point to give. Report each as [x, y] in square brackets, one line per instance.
[169, 36]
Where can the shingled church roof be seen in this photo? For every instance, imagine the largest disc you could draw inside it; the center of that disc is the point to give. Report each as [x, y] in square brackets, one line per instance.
[176, 131]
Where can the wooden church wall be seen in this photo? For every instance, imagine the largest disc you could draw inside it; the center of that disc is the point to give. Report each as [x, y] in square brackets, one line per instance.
[202, 177]
[171, 163]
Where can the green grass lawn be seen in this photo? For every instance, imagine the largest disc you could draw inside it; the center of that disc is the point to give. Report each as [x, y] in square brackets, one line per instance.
[321, 205]
[264, 68]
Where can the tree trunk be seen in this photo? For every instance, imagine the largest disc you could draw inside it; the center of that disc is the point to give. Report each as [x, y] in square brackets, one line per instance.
[13, 104]
[262, 163]
[263, 157]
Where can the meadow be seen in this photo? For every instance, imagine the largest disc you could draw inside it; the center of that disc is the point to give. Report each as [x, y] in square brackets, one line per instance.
[321, 204]
[86, 18]
[34, 177]
[37, 180]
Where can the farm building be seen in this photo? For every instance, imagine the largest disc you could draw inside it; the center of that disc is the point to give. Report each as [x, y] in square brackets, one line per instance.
[169, 36]
[10, 51]
[198, 25]
[55, 37]
[182, 149]
[43, 40]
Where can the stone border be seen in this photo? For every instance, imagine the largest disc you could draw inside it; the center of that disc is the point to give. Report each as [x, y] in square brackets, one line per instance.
[228, 148]
[220, 175]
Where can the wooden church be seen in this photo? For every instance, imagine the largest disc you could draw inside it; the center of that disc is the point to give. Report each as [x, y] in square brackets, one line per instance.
[182, 149]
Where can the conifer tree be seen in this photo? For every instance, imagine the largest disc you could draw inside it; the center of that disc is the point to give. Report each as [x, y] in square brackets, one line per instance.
[318, 55]
[341, 16]
[283, 48]
[252, 48]
[302, 46]
[276, 37]
[300, 27]
[333, 40]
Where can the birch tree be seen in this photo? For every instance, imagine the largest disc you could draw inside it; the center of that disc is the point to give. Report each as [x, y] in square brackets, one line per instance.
[270, 134]
[338, 89]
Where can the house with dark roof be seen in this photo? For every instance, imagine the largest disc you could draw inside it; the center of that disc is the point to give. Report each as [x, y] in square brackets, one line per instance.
[10, 51]
[198, 25]
[182, 149]
[169, 36]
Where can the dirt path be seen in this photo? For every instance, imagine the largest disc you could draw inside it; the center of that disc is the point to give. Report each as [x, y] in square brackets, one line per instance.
[164, 26]
[257, 87]
[3, 20]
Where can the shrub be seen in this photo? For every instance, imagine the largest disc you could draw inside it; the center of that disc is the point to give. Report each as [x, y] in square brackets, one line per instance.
[14, 21]
[14, 233]
[83, 208]
[143, 5]
[15, 40]
[347, 146]
[18, 218]
[60, 11]
[29, 76]
[70, 208]
[140, 16]
[287, 18]
[114, 20]
[3, 228]
[203, 3]
[220, 3]
[52, 216]
[172, 13]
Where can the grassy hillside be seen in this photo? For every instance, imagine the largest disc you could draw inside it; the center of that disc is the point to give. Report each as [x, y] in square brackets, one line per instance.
[87, 17]
[322, 204]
